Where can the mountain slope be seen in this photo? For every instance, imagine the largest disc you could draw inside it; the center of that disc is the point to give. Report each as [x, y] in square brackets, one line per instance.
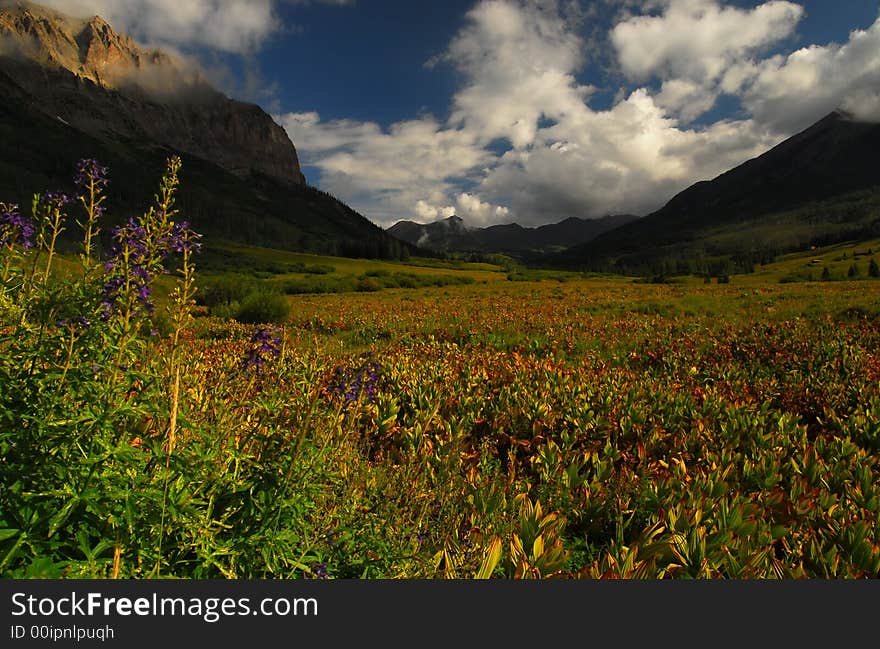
[452, 235]
[817, 185]
[75, 88]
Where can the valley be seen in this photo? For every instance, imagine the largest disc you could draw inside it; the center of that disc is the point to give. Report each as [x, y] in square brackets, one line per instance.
[211, 368]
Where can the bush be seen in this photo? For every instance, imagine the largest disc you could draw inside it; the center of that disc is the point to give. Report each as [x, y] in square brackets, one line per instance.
[226, 310]
[262, 307]
[319, 269]
[225, 290]
[368, 285]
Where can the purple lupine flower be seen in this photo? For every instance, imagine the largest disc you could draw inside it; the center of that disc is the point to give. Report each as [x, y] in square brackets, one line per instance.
[143, 295]
[184, 239]
[129, 244]
[264, 344]
[79, 322]
[360, 381]
[55, 200]
[319, 570]
[89, 170]
[15, 229]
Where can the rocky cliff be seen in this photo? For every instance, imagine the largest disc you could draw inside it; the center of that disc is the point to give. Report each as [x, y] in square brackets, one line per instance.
[85, 74]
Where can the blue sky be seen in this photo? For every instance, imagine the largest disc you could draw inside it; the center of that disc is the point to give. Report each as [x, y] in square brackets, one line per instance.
[376, 53]
[524, 110]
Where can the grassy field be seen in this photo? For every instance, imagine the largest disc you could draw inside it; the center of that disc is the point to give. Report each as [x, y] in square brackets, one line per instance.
[513, 429]
[485, 426]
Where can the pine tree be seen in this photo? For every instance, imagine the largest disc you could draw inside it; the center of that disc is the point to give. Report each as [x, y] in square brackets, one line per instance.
[873, 268]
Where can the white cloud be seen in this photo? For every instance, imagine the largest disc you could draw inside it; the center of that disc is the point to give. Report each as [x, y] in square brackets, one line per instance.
[226, 25]
[629, 159]
[473, 210]
[408, 170]
[685, 98]
[426, 212]
[520, 62]
[237, 26]
[790, 92]
[699, 39]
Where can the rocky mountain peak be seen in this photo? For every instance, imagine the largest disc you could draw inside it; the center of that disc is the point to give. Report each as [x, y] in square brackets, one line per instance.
[104, 83]
[100, 46]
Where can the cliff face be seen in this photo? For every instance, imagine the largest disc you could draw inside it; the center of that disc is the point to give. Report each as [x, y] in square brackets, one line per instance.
[87, 75]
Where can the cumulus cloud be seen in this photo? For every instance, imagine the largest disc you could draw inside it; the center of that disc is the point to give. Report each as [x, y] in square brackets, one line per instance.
[235, 26]
[699, 49]
[410, 169]
[226, 25]
[629, 159]
[685, 98]
[425, 212]
[522, 141]
[789, 92]
[520, 63]
[699, 39]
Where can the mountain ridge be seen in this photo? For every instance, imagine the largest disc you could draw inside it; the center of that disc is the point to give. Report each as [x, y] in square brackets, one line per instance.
[454, 235]
[135, 93]
[54, 115]
[800, 186]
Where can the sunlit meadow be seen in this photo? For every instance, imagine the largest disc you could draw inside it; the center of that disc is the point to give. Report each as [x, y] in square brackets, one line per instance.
[519, 429]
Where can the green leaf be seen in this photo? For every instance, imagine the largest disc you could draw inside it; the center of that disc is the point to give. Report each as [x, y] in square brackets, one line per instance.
[493, 556]
[59, 519]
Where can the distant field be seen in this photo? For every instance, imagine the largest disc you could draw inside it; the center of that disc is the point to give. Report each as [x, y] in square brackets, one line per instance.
[233, 257]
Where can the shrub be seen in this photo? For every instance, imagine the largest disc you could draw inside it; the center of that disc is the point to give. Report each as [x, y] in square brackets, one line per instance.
[319, 269]
[262, 307]
[225, 310]
[225, 290]
[368, 285]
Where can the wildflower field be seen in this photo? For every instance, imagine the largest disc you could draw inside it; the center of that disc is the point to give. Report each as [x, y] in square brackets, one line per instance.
[519, 429]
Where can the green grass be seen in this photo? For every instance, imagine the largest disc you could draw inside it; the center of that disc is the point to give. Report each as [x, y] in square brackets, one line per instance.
[334, 274]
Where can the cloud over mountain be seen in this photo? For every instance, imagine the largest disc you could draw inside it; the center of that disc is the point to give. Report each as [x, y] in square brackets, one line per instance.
[236, 26]
[530, 133]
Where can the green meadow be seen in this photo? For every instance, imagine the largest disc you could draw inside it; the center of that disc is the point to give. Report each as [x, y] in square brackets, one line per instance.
[428, 419]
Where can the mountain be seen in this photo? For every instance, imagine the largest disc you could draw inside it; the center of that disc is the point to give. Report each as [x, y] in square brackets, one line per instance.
[815, 188]
[75, 88]
[452, 235]
[442, 236]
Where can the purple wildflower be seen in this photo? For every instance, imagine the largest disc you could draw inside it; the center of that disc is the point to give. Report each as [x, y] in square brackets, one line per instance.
[55, 200]
[88, 171]
[79, 322]
[363, 380]
[128, 261]
[143, 295]
[15, 229]
[183, 239]
[319, 570]
[264, 344]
